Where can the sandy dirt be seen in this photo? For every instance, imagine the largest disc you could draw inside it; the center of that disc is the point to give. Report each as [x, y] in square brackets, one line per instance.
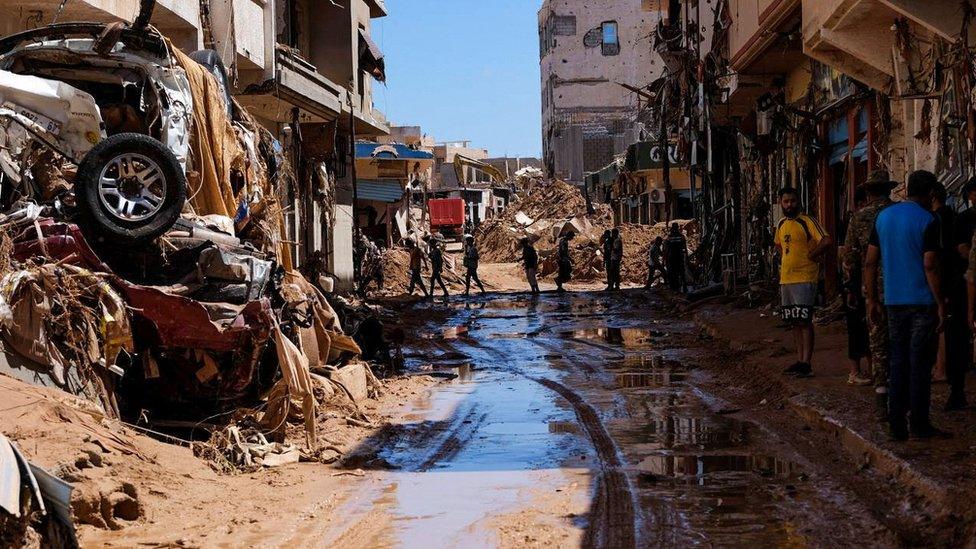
[132, 489]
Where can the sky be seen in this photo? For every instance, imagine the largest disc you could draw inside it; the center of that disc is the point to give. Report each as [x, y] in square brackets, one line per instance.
[464, 70]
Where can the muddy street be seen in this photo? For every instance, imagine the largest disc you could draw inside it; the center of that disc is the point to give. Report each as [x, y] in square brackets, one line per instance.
[578, 420]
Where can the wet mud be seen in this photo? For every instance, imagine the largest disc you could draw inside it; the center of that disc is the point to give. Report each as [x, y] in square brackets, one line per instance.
[589, 391]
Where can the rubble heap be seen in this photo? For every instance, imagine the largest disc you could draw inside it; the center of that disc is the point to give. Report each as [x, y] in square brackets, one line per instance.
[556, 207]
[396, 272]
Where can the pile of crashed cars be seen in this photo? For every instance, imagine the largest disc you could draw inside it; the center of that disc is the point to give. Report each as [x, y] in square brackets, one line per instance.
[142, 263]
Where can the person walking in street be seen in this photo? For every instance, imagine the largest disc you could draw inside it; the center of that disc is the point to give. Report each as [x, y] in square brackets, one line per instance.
[905, 244]
[436, 265]
[958, 338]
[878, 188]
[606, 245]
[801, 243]
[616, 258]
[530, 261]
[655, 265]
[676, 253]
[371, 266]
[417, 260]
[564, 261]
[855, 311]
[471, 258]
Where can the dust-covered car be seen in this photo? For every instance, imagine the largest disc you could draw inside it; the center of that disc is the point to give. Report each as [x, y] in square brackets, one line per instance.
[110, 102]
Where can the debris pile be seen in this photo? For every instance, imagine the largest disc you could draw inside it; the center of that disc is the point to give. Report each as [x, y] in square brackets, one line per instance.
[142, 264]
[396, 272]
[554, 208]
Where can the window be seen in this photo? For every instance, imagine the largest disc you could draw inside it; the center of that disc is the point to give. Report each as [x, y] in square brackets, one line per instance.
[611, 41]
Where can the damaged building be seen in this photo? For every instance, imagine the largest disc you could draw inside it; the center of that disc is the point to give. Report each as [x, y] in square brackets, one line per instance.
[591, 57]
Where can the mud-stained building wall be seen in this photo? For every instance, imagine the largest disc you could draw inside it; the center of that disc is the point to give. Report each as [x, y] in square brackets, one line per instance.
[587, 50]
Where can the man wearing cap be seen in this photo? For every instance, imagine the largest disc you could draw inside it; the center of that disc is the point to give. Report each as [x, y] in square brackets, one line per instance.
[878, 188]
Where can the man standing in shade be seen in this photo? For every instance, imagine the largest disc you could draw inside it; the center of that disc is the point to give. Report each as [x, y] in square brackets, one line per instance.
[801, 242]
[878, 188]
[905, 244]
[676, 252]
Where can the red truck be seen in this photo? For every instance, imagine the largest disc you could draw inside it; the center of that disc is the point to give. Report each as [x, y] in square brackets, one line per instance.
[447, 216]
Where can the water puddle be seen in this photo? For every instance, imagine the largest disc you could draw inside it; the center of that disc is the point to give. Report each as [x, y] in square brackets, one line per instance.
[494, 435]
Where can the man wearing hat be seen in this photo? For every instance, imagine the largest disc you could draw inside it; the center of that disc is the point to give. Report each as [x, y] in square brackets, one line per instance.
[878, 188]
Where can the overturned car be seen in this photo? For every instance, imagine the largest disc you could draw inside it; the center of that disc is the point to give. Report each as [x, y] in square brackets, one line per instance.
[114, 104]
[139, 206]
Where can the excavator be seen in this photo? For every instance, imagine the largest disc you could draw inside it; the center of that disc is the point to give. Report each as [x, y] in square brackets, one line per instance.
[462, 163]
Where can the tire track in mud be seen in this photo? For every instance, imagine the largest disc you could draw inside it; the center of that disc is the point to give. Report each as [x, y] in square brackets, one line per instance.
[613, 518]
[461, 432]
[613, 515]
[587, 368]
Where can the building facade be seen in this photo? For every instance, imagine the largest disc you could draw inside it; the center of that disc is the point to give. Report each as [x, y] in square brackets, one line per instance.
[592, 55]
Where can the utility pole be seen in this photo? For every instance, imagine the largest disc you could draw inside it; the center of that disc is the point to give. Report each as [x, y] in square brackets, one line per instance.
[357, 265]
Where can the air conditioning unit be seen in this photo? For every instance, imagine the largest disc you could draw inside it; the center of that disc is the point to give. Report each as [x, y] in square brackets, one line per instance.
[656, 196]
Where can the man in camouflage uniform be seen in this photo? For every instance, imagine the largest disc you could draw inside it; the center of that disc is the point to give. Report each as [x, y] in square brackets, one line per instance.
[878, 187]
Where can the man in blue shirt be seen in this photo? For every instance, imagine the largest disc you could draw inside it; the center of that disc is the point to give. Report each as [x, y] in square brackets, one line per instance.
[906, 243]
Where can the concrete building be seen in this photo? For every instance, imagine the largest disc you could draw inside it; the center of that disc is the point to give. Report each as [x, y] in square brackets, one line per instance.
[304, 71]
[587, 51]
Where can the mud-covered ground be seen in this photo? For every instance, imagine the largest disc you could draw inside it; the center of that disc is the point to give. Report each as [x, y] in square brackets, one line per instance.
[580, 419]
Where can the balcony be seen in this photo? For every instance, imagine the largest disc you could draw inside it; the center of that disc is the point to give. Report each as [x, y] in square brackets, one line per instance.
[296, 83]
[852, 36]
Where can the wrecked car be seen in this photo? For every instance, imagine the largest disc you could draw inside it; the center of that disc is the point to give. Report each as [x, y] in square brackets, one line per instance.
[113, 104]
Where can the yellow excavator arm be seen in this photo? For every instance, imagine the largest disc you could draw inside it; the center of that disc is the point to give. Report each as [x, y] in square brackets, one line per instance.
[461, 162]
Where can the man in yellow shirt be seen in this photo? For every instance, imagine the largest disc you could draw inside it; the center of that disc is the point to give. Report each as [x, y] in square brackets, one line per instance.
[801, 243]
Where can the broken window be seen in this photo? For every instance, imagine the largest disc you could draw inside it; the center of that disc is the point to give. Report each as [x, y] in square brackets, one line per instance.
[611, 40]
[565, 25]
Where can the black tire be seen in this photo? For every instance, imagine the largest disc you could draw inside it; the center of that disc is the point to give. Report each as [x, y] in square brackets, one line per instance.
[210, 60]
[99, 220]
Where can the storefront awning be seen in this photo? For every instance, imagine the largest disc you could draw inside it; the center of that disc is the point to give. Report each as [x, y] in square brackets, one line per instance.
[396, 151]
[379, 191]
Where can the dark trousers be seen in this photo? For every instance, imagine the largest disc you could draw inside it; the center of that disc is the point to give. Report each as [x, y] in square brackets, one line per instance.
[472, 274]
[857, 331]
[435, 277]
[614, 274]
[416, 280]
[676, 277]
[914, 345]
[958, 344]
[655, 271]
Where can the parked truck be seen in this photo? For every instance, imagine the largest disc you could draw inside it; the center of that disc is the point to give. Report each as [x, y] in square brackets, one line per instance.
[447, 216]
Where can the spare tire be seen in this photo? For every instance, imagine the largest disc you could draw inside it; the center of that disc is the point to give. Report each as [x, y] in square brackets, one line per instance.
[130, 187]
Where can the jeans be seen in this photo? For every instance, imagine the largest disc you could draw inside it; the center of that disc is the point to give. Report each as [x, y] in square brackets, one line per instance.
[914, 345]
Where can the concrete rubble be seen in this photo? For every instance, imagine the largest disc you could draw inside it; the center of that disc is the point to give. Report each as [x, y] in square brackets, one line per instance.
[553, 208]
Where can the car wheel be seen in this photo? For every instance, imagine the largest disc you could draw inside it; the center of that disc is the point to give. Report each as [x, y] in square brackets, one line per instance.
[130, 187]
[211, 61]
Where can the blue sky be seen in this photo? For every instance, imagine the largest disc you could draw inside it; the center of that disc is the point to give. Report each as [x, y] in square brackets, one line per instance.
[464, 69]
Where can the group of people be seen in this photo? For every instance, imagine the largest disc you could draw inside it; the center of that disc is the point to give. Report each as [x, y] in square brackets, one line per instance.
[907, 280]
[436, 260]
[667, 259]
